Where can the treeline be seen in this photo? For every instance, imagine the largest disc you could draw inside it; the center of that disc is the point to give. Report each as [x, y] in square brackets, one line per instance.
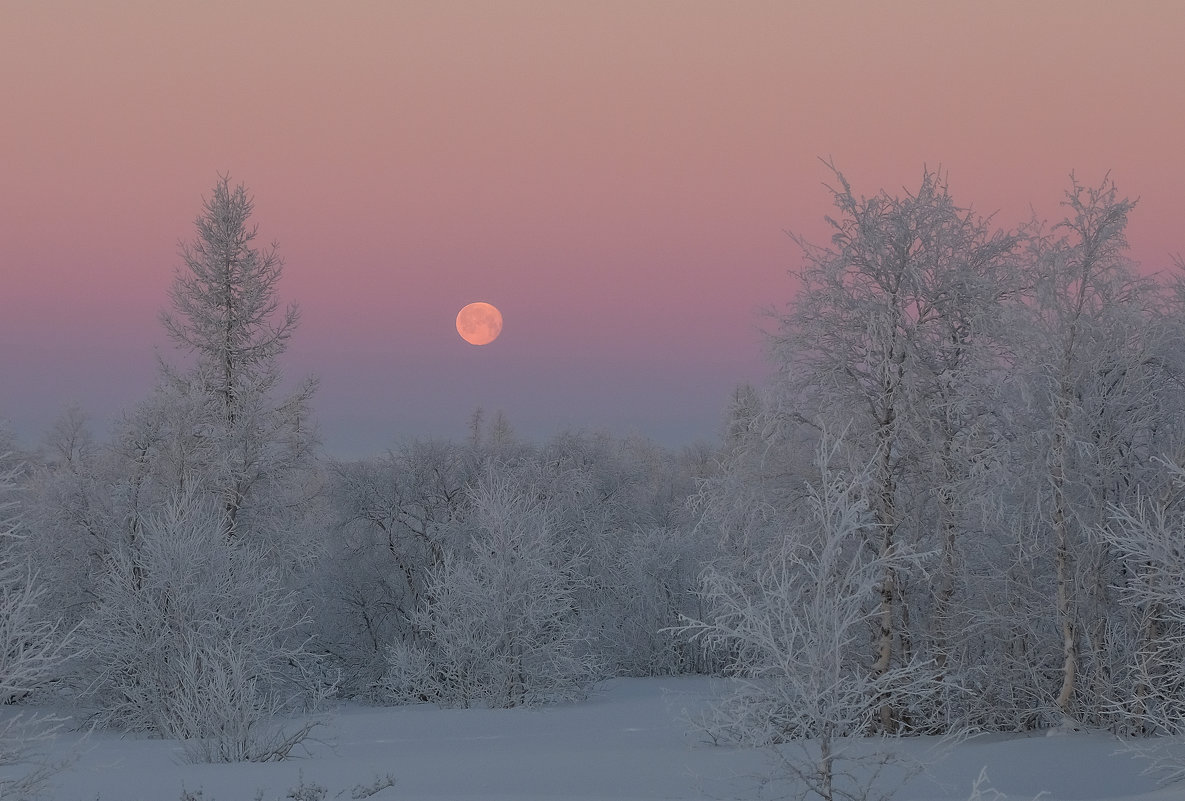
[957, 505]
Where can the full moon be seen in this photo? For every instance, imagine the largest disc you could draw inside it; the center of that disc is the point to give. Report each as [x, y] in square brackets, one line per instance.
[479, 323]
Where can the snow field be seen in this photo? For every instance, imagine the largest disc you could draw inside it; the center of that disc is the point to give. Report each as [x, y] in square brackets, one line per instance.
[631, 741]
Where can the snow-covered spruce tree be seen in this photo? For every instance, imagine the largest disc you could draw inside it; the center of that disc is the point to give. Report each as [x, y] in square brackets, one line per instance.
[227, 315]
[498, 625]
[796, 633]
[193, 525]
[892, 331]
[196, 637]
[218, 425]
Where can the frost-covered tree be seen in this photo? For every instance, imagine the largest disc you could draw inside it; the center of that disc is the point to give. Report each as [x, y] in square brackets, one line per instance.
[795, 635]
[197, 638]
[180, 543]
[622, 502]
[71, 514]
[619, 503]
[1147, 535]
[1084, 288]
[499, 623]
[1007, 391]
[889, 335]
[34, 646]
[219, 425]
[396, 518]
[226, 314]
[1100, 401]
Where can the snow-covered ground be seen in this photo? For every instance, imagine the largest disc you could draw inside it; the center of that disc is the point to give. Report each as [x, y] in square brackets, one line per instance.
[629, 742]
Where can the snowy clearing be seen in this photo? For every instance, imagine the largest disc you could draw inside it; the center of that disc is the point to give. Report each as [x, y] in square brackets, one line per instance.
[629, 742]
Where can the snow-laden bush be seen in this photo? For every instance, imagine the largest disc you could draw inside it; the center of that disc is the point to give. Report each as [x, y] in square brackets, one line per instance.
[498, 625]
[650, 583]
[798, 634]
[33, 650]
[195, 638]
[1147, 536]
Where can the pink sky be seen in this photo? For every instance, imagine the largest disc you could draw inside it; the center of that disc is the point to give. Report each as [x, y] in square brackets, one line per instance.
[616, 176]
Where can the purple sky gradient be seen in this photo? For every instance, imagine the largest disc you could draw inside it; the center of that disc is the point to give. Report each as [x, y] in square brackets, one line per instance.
[617, 177]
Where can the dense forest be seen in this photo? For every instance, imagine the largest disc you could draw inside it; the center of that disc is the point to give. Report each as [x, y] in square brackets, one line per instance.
[956, 506]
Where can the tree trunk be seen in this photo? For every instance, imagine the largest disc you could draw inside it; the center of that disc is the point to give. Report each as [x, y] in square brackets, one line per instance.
[826, 765]
[948, 535]
[1062, 556]
[886, 517]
